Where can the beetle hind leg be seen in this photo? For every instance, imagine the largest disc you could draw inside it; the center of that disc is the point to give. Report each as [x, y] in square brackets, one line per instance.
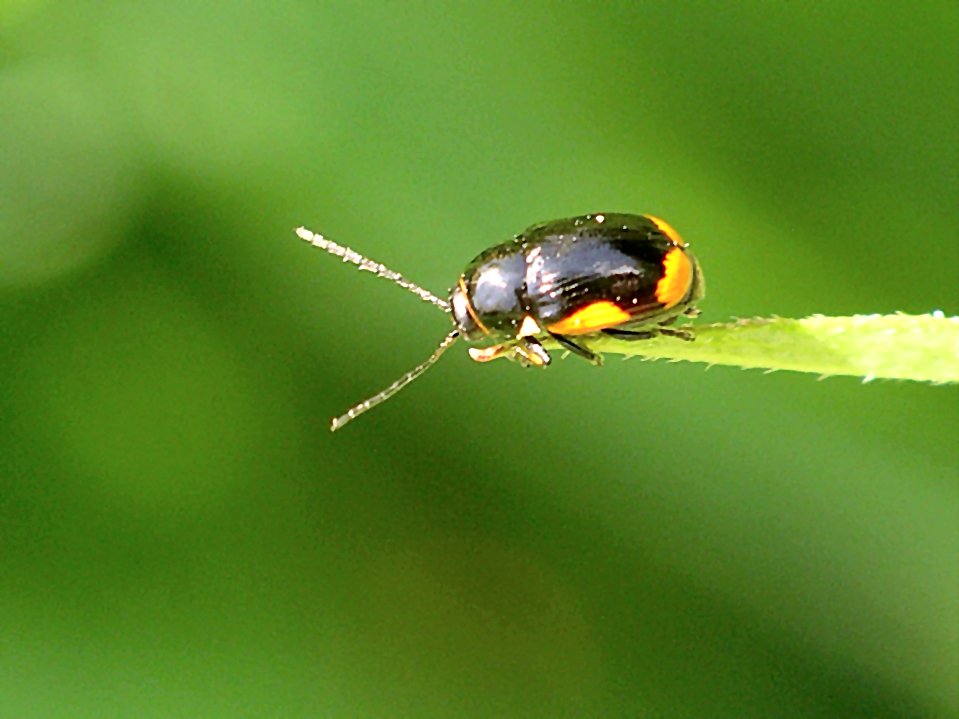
[578, 349]
[631, 335]
[680, 334]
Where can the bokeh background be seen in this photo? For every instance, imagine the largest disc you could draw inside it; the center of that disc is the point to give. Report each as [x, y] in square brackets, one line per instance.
[180, 535]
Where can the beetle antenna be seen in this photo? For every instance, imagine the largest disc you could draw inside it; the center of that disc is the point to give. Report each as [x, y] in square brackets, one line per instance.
[399, 384]
[365, 263]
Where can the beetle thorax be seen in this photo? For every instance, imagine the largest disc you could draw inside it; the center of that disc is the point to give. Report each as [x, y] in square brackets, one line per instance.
[488, 300]
[463, 314]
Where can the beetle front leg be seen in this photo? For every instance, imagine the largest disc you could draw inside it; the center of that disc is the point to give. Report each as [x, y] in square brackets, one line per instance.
[529, 352]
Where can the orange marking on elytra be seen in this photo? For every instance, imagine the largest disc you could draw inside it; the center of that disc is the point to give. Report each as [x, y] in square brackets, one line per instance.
[677, 275]
[591, 318]
[667, 230]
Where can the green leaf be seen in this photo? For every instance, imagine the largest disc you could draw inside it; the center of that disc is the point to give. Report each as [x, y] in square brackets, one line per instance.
[914, 347]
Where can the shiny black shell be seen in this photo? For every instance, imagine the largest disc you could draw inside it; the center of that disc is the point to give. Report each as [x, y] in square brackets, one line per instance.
[555, 269]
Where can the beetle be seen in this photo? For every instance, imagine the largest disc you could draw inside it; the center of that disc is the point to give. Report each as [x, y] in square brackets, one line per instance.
[569, 280]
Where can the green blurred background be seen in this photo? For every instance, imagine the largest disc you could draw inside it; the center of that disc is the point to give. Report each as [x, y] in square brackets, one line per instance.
[180, 535]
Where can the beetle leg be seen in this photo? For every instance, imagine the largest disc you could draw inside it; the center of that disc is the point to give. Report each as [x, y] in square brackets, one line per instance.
[578, 349]
[528, 351]
[681, 334]
[630, 335]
